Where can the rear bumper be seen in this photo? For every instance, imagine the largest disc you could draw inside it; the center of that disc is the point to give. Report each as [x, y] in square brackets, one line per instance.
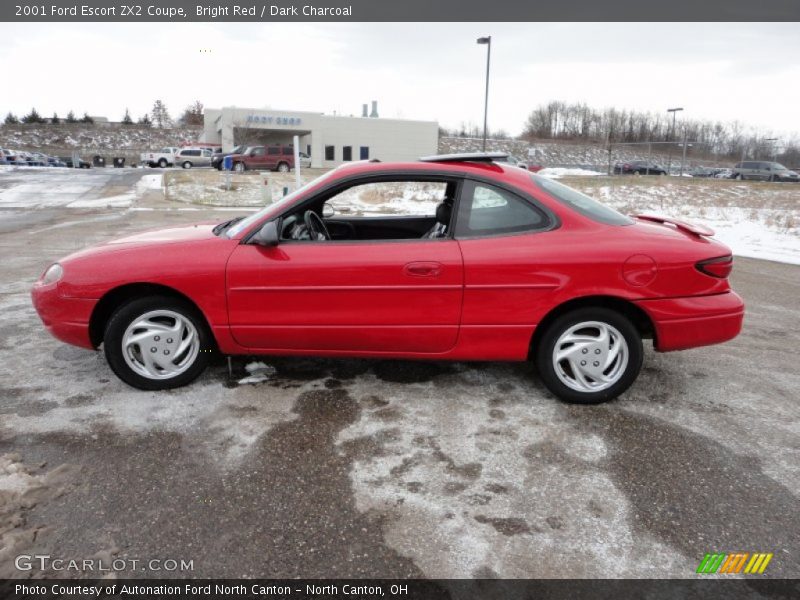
[67, 319]
[694, 321]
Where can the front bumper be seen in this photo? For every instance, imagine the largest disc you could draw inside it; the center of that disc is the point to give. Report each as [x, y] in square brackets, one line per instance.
[67, 319]
[694, 321]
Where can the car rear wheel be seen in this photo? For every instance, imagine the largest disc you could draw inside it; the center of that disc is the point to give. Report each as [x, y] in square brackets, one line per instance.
[162, 163]
[283, 167]
[589, 355]
[187, 165]
[739, 177]
[157, 343]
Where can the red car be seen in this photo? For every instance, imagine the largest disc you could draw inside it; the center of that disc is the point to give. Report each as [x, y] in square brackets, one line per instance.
[478, 261]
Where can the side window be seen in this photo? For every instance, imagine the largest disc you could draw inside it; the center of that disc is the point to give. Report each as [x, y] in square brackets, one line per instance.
[273, 150]
[488, 210]
[258, 151]
[207, 153]
[329, 153]
[288, 150]
[390, 198]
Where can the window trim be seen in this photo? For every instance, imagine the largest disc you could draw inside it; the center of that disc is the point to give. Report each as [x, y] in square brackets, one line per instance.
[356, 180]
[551, 220]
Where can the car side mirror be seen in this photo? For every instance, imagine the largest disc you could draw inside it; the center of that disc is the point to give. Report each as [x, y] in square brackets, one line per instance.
[327, 211]
[268, 235]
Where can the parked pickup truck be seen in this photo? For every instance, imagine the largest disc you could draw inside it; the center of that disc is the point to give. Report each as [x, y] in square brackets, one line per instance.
[163, 158]
[274, 158]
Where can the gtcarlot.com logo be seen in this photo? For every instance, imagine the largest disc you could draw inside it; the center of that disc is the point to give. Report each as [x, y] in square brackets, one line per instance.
[738, 562]
[45, 562]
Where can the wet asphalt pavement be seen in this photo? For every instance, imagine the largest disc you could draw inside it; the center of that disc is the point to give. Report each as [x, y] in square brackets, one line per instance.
[351, 468]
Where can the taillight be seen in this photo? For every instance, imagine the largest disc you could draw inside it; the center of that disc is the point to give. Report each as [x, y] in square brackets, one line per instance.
[716, 267]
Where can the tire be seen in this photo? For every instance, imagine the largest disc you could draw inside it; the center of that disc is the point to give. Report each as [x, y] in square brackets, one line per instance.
[163, 163]
[283, 167]
[239, 167]
[582, 330]
[739, 177]
[773, 178]
[157, 313]
[187, 165]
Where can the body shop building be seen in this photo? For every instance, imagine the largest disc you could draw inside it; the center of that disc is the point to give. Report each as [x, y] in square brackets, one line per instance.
[329, 140]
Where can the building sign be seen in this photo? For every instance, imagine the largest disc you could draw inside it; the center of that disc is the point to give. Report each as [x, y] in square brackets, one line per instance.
[274, 120]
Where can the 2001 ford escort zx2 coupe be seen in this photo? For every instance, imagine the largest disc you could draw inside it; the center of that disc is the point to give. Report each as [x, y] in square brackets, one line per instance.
[467, 259]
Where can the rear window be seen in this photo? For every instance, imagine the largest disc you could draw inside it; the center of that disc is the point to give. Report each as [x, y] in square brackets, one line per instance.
[273, 151]
[581, 203]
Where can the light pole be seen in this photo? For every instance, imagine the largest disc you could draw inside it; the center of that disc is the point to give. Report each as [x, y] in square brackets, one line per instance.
[488, 41]
[774, 147]
[669, 155]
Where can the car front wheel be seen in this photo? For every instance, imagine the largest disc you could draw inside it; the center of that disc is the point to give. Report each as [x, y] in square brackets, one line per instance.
[157, 343]
[187, 165]
[162, 163]
[283, 168]
[589, 355]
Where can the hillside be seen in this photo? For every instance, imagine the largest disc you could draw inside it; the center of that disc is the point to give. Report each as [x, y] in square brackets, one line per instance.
[88, 140]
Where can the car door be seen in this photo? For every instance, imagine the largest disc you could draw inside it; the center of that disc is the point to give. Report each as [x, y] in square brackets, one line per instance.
[257, 158]
[506, 245]
[400, 296]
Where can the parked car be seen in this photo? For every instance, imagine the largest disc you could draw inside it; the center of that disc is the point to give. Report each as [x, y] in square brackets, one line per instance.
[52, 161]
[509, 266]
[639, 167]
[266, 158]
[305, 160]
[703, 172]
[163, 158]
[764, 171]
[193, 157]
[218, 157]
[67, 160]
[723, 174]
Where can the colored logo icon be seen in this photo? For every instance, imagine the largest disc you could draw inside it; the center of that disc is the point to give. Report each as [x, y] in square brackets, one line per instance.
[738, 562]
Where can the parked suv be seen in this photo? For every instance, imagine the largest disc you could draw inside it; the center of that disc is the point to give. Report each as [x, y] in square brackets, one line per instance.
[193, 157]
[764, 171]
[272, 158]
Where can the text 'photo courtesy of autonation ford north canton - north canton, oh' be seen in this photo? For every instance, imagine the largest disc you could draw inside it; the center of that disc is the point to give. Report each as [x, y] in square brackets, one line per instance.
[446, 300]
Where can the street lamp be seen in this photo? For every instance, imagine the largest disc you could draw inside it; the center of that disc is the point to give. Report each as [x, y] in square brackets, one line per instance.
[669, 155]
[774, 147]
[488, 41]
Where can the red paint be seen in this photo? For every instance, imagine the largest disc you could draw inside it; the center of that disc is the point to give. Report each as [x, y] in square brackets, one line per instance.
[466, 299]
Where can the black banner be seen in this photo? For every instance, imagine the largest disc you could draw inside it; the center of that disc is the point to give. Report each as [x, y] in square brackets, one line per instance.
[399, 11]
[365, 589]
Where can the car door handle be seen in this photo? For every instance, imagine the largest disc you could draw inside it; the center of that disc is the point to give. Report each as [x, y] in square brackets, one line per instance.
[423, 269]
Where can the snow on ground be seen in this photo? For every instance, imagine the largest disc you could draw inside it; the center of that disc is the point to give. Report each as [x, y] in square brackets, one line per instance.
[36, 187]
[558, 172]
[756, 220]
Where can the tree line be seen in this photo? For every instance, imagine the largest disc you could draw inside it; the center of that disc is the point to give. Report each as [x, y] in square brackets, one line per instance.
[559, 120]
[159, 117]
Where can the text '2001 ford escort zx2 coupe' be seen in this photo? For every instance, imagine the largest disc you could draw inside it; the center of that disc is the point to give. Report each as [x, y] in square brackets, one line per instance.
[495, 264]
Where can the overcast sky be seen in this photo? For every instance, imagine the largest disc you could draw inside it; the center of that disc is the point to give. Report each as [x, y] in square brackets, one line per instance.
[745, 72]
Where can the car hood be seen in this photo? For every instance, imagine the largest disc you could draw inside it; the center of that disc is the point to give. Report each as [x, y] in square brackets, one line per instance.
[185, 234]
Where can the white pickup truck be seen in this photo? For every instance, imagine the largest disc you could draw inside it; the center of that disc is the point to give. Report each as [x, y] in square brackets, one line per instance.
[163, 158]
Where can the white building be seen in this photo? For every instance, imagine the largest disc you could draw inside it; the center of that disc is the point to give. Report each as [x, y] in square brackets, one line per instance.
[330, 140]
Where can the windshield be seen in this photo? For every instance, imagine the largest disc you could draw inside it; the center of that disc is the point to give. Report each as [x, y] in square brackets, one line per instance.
[581, 203]
[286, 200]
[778, 167]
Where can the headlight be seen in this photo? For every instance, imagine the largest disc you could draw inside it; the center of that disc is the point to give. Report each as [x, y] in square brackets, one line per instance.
[53, 273]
